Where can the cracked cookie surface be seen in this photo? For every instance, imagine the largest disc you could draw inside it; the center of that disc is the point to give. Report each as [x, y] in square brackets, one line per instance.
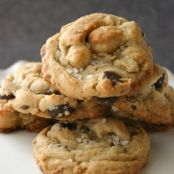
[102, 146]
[97, 55]
[27, 92]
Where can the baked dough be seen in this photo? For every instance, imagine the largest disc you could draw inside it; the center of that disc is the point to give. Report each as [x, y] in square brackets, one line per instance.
[152, 104]
[103, 146]
[97, 55]
[11, 120]
[27, 92]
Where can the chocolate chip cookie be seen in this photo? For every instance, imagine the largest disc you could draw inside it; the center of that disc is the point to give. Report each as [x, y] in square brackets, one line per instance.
[152, 104]
[27, 92]
[97, 55]
[91, 146]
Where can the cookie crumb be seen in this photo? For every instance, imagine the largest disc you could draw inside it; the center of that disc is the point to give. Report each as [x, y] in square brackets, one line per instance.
[122, 47]
[115, 139]
[69, 70]
[78, 77]
[124, 142]
[114, 109]
[75, 70]
[89, 76]
[81, 69]
[104, 120]
[66, 113]
[93, 62]
[79, 140]
[60, 115]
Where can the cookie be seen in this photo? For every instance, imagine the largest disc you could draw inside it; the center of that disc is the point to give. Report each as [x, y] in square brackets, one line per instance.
[102, 146]
[97, 55]
[27, 92]
[11, 120]
[152, 104]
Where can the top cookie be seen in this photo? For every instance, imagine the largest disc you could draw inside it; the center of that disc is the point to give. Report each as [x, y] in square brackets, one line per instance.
[97, 55]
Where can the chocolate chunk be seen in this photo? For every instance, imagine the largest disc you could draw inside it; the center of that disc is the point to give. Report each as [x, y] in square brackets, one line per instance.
[48, 93]
[125, 150]
[56, 92]
[133, 127]
[133, 131]
[24, 107]
[61, 109]
[85, 129]
[158, 85]
[114, 77]
[80, 101]
[51, 92]
[86, 39]
[7, 96]
[71, 126]
[105, 101]
[134, 107]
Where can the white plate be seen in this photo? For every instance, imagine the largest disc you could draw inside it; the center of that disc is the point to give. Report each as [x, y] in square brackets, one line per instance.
[16, 154]
[16, 151]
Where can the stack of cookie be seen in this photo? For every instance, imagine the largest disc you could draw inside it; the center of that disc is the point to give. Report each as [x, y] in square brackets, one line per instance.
[97, 90]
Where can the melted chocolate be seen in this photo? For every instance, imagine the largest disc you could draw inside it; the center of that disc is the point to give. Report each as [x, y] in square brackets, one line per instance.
[114, 77]
[7, 96]
[105, 101]
[71, 126]
[159, 84]
[60, 109]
